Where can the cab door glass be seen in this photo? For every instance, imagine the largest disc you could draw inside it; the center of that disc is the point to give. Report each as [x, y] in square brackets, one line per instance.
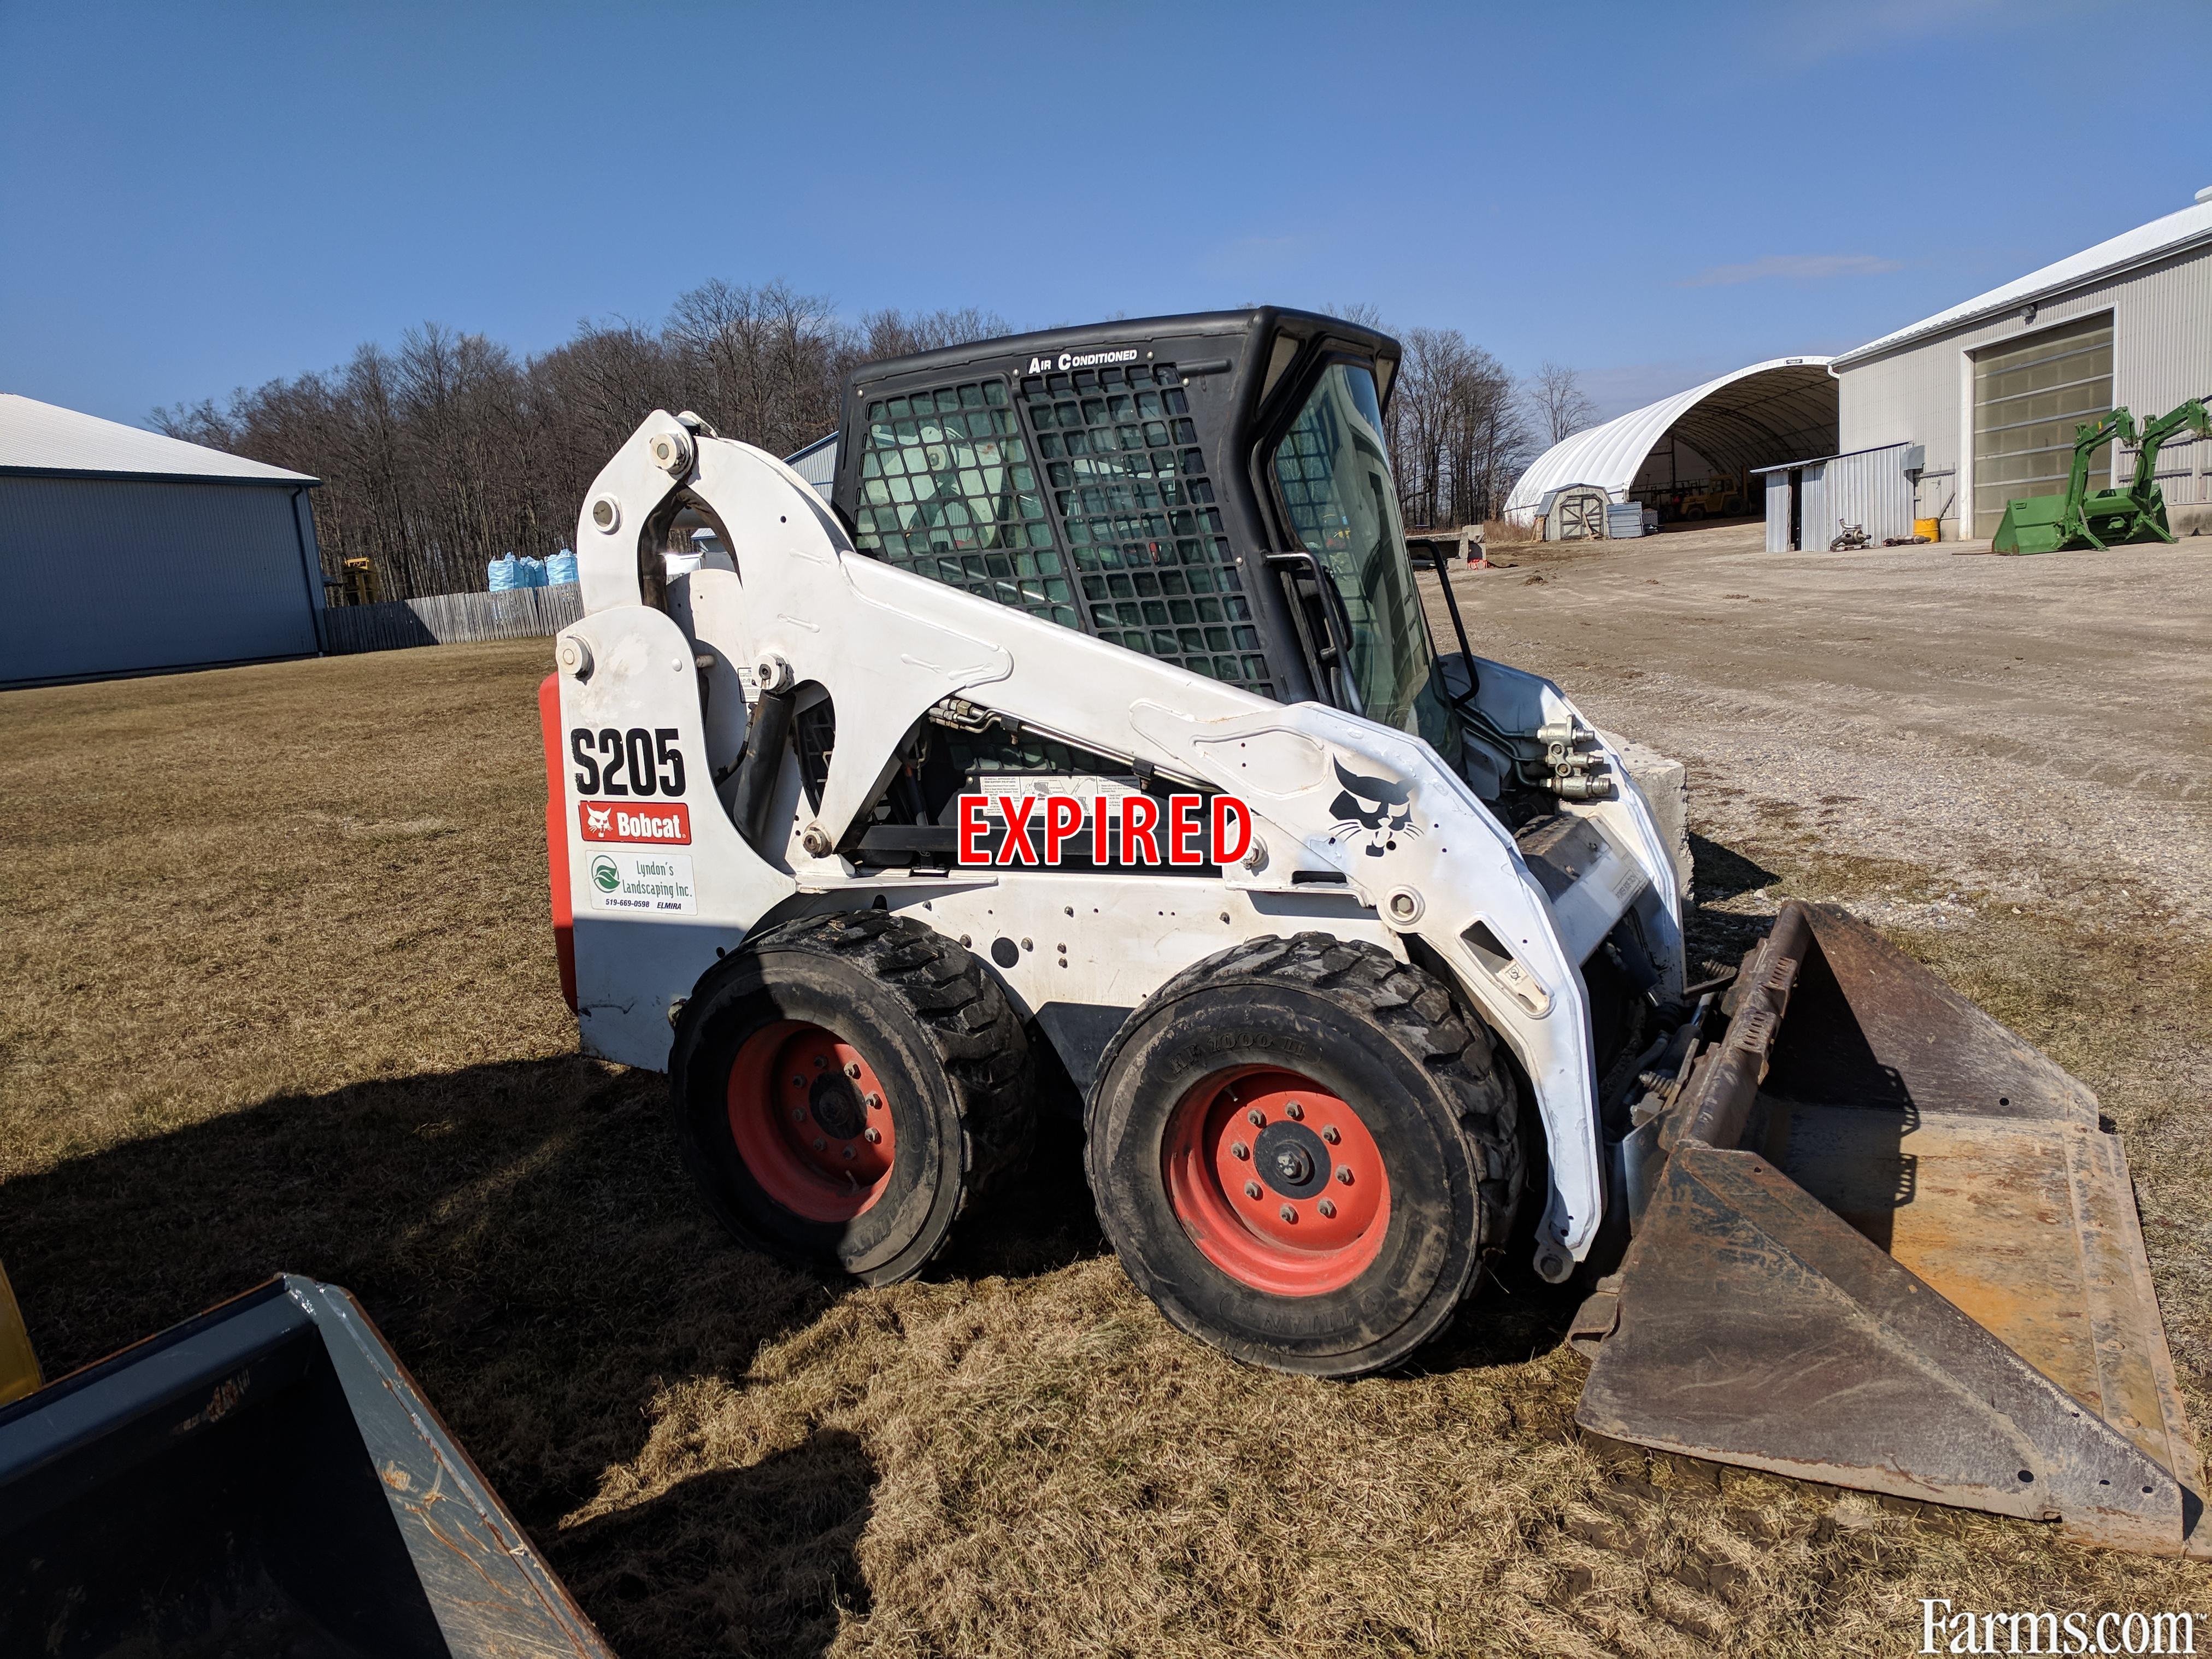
[1334, 475]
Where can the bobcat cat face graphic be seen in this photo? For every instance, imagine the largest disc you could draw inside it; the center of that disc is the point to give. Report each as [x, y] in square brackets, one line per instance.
[599, 818]
[1373, 812]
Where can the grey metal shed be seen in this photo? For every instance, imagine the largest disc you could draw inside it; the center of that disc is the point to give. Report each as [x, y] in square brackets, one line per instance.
[1810, 503]
[122, 551]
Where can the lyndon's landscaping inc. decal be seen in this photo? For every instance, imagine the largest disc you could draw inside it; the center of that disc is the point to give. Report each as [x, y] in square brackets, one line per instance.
[1184, 830]
[656, 883]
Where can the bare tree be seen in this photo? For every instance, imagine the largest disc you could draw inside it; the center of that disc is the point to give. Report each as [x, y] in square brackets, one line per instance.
[1458, 440]
[1356, 311]
[1558, 404]
[896, 334]
[442, 455]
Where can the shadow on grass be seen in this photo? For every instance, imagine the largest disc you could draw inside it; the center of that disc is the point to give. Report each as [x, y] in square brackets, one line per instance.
[1717, 939]
[528, 1239]
[762, 1553]
[1722, 872]
[1042, 1219]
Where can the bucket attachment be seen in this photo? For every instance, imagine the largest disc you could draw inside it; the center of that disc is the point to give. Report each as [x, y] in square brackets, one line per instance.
[263, 1478]
[1884, 1244]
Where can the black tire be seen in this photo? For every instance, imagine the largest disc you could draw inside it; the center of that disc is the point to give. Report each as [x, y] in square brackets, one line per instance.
[927, 1020]
[1391, 1041]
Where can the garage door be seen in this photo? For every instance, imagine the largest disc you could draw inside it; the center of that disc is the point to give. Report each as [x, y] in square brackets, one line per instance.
[2029, 395]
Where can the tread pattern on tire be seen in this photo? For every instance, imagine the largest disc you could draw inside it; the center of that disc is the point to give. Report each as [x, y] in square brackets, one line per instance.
[1417, 1008]
[973, 1028]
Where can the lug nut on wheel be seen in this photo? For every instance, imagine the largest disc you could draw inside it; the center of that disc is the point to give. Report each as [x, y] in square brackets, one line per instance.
[874, 1134]
[1240, 1150]
[1295, 1112]
[1287, 1213]
[1258, 1120]
[853, 1068]
[1327, 1207]
[1343, 1173]
[1330, 1135]
[1251, 1189]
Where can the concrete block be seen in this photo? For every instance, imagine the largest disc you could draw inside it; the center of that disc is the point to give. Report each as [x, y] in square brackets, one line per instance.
[1665, 782]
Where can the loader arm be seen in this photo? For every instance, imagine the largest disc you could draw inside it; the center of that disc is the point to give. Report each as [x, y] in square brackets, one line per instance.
[2192, 414]
[884, 647]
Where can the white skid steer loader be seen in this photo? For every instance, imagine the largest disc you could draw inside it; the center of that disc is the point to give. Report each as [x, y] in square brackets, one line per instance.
[1089, 723]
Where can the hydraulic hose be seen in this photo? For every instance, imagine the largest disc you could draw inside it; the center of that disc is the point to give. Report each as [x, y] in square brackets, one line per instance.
[760, 766]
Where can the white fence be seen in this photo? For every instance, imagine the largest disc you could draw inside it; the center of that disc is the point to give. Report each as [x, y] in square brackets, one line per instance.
[521, 613]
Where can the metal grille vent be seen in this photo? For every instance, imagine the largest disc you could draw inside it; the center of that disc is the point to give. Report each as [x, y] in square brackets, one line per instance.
[1128, 482]
[948, 491]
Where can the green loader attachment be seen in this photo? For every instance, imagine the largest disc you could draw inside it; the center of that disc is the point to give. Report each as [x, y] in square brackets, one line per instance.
[2081, 517]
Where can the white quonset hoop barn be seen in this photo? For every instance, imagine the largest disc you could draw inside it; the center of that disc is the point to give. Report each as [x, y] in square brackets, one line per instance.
[122, 551]
[1712, 434]
[1994, 388]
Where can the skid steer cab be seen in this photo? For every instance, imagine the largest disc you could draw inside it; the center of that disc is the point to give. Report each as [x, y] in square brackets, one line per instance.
[1114, 582]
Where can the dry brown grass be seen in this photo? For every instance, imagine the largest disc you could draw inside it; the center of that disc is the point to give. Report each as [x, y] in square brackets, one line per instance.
[279, 993]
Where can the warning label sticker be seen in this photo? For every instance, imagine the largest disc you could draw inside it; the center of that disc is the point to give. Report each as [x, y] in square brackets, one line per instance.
[608, 820]
[656, 883]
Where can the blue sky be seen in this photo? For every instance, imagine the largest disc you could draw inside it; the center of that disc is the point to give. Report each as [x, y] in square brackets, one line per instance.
[197, 198]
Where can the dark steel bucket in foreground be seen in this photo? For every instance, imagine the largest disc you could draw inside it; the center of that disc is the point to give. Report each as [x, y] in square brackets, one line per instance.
[264, 1478]
[1890, 1246]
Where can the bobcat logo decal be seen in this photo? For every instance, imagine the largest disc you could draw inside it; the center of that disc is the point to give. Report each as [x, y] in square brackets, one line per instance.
[1373, 808]
[599, 819]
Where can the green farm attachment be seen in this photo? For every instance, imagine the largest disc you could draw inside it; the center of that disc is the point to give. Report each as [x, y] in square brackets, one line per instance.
[2085, 518]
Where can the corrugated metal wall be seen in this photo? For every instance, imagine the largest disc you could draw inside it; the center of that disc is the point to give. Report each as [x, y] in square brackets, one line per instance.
[1813, 535]
[1869, 491]
[1777, 511]
[115, 576]
[2162, 355]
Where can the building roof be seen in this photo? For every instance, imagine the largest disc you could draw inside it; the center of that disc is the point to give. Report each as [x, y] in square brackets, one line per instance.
[1768, 412]
[1848, 455]
[45, 439]
[2190, 228]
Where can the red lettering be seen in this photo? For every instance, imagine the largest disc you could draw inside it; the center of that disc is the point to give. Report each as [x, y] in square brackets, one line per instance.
[1141, 818]
[1063, 819]
[1182, 829]
[1017, 848]
[1101, 855]
[972, 830]
[1223, 806]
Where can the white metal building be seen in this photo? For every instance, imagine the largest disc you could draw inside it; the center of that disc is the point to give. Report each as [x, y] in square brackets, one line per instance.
[122, 551]
[816, 464]
[1810, 503]
[1995, 387]
[1769, 413]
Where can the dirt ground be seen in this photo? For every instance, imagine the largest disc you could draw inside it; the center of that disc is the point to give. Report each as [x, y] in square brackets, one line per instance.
[276, 991]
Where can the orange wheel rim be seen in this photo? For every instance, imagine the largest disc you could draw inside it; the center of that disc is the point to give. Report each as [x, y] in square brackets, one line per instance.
[810, 1120]
[1278, 1181]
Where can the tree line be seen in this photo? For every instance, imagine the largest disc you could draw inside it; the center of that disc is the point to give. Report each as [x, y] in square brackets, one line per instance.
[440, 455]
